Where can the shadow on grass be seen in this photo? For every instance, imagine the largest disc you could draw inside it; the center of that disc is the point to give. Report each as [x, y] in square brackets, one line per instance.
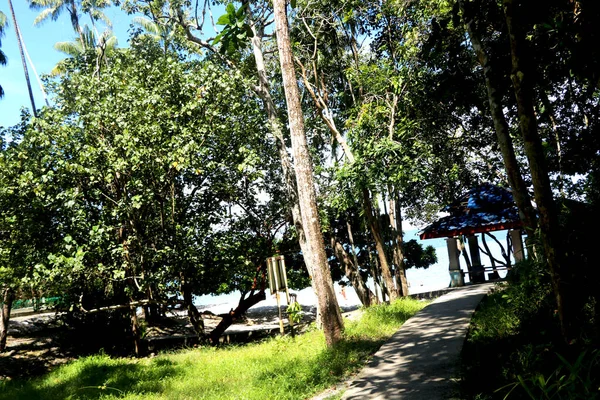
[327, 368]
[94, 377]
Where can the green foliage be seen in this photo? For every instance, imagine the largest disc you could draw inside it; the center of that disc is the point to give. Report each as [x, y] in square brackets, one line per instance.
[577, 380]
[294, 312]
[236, 31]
[278, 368]
[125, 189]
[515, 342]
[415, 256]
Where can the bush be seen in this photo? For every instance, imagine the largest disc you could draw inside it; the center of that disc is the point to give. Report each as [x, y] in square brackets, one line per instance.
[515, 350]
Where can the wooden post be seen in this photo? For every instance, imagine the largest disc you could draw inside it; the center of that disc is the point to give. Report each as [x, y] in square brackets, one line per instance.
[456, 278]
[517, 245]
[281, 330]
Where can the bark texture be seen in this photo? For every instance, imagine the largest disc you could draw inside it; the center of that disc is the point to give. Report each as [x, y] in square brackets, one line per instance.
[515, 179]
[263, 91]
[396, 224]
[330, 312]
[7, 300]
[352, 273]
[521, 76]
[379, 247]
[229, 318]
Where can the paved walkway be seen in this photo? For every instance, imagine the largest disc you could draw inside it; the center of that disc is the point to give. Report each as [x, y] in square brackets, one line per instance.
[421, 359]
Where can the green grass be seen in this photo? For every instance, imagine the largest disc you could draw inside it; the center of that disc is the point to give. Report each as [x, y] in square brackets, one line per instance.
[277, 368]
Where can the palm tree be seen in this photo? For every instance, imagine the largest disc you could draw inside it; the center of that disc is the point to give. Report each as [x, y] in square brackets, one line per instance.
[162, 33]
[52, 9]
[104, 47]
[2, 55]
[19, 41]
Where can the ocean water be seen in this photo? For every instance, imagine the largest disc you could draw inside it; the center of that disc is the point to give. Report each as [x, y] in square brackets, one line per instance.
[420, 280]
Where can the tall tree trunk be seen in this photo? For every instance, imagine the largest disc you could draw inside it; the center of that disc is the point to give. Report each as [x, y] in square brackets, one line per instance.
[7, 300]
[521, 76]
[352, 247]
[331, 317]
[519, 188]
[396, 223]
[263, 91]
[352, 272]
[25, 70]
[379, 246]
[74, 16]
[376, 276]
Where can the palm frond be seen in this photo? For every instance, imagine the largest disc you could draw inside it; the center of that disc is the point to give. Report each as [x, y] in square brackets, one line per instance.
[47, 13]
[60, 68]
[98, 15]
[110, 42]
[148, 25]
[3, 23]
[72, 49]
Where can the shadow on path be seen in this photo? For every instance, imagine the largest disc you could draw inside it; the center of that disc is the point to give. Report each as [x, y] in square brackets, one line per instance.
[421, 359]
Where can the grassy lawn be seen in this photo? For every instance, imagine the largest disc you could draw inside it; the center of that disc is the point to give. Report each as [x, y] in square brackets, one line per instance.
[277, 368]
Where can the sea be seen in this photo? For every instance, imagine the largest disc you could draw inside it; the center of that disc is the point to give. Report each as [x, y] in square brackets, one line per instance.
[420, 280]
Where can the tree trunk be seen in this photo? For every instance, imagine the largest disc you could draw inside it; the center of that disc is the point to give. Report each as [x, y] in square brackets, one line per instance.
[135, 331]
[276, 129]
[25, 70]
[460, 244]
[519, 188]
[193, 314]
[396, 223]
[374, 299]
[375, 274]
[7, 301]
[549, 226]
[352, 247]
[330, 312]
[244, 304]
[352, 272]
[380, 247]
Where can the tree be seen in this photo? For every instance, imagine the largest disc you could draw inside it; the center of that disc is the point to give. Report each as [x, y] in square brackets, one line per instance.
[2, 55]
[141, 170]
[52, 9]
[26, 222]
[534, 78]
[25, 70]
[100, 48]
[241, 28]
[331, 317]
[360, 93]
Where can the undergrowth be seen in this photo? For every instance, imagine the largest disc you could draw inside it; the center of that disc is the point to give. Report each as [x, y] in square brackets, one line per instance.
[514, 349]
[277, 368]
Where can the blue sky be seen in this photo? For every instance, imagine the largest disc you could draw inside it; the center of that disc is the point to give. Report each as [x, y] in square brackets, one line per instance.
[39, 41]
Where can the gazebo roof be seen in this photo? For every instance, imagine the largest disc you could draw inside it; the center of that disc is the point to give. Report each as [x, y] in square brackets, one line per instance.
[485, 208]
